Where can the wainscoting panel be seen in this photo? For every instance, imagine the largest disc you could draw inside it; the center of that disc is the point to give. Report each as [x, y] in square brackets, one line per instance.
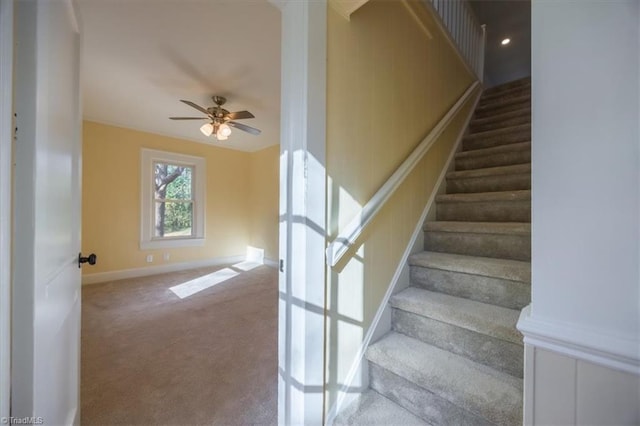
[563, 390]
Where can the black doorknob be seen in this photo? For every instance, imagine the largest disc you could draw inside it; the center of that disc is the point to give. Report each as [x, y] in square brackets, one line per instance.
[91, 259]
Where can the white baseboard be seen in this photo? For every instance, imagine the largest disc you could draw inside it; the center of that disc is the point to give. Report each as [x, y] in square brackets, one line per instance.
[377, 329]
[122, 274]
[271, 262]
[612, 351]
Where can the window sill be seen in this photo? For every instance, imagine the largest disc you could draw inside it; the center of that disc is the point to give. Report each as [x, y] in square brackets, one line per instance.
[171, 243]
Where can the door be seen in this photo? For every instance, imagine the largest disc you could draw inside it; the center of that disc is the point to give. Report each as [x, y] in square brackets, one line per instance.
[46, 230]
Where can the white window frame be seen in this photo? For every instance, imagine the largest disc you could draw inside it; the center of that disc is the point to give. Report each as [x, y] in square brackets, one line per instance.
[148, 240]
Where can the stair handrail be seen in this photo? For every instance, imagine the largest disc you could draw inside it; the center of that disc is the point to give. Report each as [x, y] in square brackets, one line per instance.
[350, 234]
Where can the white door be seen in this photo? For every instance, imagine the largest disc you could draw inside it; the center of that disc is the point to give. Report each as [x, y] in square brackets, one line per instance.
[46, 284]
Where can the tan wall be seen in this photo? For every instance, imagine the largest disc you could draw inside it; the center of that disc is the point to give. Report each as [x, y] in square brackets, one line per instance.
[265, 172]
[388, 85]
[111, 198]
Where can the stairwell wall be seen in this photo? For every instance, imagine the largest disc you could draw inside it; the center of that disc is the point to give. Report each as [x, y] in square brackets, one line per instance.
[391, 76]
[583, 328]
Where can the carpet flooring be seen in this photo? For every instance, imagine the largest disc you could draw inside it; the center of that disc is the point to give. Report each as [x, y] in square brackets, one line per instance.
[149, 357]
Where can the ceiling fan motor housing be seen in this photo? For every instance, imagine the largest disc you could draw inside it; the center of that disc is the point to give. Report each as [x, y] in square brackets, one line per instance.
[219, 100]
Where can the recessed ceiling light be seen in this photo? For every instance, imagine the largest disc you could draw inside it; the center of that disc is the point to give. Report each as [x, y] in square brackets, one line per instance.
[505, 41]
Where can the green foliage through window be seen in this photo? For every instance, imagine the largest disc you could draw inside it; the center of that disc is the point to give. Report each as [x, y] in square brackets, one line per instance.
[173, 200]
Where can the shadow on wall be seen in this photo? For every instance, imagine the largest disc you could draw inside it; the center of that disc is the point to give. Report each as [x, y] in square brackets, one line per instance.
[301, 310]
[346, 307]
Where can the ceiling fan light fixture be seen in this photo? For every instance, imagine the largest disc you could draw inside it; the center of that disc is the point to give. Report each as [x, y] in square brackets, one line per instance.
[223, 132]
[218, 118]
[207, 129]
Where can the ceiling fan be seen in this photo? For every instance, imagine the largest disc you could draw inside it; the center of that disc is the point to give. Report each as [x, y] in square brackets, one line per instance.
[221, 120]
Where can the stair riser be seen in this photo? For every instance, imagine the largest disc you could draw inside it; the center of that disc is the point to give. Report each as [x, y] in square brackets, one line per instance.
[419, 401]
[494, 160]
[502, 106]
[485, 211]
[489, 99]
[502, 246]
[501, 292]
[490, 351]
[524, 112]
[512, 182]
[481, 126]
[488, 141]
[523, 82]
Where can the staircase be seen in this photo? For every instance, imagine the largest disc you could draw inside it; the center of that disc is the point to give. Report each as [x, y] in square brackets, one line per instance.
[454, 356]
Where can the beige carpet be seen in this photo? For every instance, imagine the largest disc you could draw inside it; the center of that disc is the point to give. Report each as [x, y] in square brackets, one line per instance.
[149, 357]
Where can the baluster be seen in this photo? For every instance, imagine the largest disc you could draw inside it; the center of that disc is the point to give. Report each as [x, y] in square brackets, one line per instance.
[467, 33]
[459, 22]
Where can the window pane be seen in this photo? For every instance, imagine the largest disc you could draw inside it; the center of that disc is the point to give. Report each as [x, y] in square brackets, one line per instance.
[174, 219]
[173, 182]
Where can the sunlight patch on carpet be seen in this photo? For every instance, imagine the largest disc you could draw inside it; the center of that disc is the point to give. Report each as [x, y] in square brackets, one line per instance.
[246, 265]
[194, 286]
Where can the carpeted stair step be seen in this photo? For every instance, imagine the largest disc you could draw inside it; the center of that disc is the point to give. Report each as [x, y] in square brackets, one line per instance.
[499, 121]
[502, 88]
[482, 332]
[501, 282]
[431, 408]
[506, 89]
[472, 389]
[504, 136]
[482, 318]
[515, 92]
[501, 105]
[503, 155]
[454, 355]
[490, 179]
[503, 206]
[371, 408]
[504, 240]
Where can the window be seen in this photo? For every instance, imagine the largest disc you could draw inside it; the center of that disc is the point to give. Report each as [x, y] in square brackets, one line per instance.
[173, 201]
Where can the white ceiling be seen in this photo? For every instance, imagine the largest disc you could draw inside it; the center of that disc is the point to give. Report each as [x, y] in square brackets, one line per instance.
[140, 57]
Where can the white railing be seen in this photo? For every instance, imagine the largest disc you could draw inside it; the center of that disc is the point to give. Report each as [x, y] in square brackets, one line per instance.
[350, 234]
[466, 32]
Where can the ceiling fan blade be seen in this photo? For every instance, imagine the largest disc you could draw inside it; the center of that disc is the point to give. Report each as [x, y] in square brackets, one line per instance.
[239, 115]
[198, 107]
[189, 118]
[244, 127]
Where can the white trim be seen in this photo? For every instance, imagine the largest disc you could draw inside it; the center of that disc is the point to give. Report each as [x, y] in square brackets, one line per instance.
[350, 234]
[401, 271]
[638, 150]
[272, 263]
[616, 352]
[302, 212]
[6, 142]
[199, 177]
[346, 7]
[122, 274]
[483, 47]
[528, 384]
